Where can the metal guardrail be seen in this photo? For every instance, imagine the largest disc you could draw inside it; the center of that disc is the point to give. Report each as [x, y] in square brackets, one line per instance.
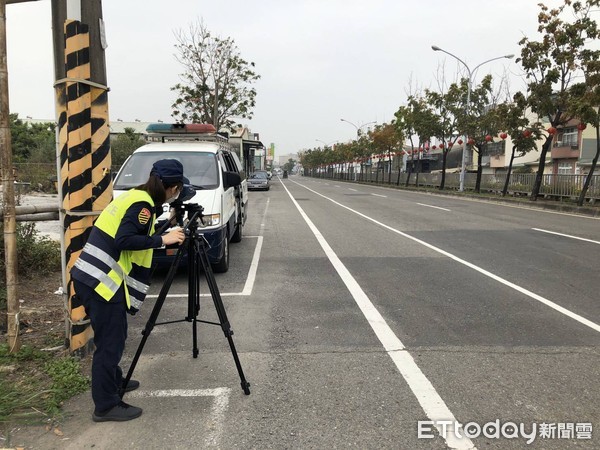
[556, 186]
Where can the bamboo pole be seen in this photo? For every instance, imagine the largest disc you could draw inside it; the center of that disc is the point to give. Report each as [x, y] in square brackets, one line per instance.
[10, 224]
[32, 209]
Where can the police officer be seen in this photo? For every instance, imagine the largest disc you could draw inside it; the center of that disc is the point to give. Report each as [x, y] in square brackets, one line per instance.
[112, 277]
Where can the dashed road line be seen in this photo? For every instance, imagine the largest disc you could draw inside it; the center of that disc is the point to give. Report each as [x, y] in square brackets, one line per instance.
[431, 206]
[567, 235]
[433, 405]
[594, 326]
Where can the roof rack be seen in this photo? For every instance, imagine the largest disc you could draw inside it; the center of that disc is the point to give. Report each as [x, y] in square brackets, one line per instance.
[163, 132]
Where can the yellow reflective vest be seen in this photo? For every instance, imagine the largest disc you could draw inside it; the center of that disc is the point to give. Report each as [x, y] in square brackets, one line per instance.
[102, 264]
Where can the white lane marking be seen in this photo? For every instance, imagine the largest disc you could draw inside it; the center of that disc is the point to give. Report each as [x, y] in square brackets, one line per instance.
[431, 206]
[566, 235]
[431, 402]
[336, 185]
[350, 189]
[219, 406]
[250, 278]
[253, 268]
[529, 208]
[254, 264]
[539, 298]
[581, 216]
[379, 195]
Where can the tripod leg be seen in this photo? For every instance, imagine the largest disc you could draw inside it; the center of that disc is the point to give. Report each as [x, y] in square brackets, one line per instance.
[153, 316]
[193, 295]
[220, 308]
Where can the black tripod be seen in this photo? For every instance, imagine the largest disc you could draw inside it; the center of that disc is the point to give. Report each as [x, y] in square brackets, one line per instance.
[196, 247]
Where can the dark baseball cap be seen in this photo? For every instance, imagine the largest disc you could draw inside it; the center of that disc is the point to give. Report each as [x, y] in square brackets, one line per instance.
[169, 171]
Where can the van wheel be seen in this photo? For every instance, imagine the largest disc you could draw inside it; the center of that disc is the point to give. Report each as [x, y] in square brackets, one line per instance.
[223, 265]
[238, 234]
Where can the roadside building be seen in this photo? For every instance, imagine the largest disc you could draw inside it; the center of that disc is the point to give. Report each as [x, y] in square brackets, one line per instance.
[139, 128]
[571, 153]
[249, 148]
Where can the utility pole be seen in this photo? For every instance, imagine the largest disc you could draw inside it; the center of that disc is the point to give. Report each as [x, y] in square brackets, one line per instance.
[83, 145]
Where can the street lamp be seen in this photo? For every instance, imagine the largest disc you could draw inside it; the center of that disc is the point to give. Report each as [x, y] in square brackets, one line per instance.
[325, 143]
[471, 73]
[358, 128]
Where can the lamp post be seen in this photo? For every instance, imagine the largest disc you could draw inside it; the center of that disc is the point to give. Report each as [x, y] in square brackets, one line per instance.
[471, 73]
[358, 128]
[325, 143]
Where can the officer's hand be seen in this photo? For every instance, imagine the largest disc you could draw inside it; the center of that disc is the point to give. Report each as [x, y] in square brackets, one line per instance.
[132, 311]
[175, 236]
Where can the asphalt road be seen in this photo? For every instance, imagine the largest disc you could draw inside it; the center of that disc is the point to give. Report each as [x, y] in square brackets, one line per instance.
[359, 311]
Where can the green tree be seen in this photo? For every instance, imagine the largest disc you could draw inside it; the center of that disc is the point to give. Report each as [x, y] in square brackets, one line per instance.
[362, 151]
[481, 121]
[289, 165]
[586, 106]
[415, 120]
[124, 145]
[552, 63]
[32, 142]
[344, 154]
[216, 83]
[387, 138]
[444, 123]
[513, 117]
[309, 160]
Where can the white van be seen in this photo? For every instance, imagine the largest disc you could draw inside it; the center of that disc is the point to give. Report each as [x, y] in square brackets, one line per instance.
[214, 171]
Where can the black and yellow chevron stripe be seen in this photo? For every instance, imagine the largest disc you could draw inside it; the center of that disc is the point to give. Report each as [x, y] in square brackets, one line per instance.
[83, 136]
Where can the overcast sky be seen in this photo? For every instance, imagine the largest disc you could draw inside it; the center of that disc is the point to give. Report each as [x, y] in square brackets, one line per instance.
[319, 60]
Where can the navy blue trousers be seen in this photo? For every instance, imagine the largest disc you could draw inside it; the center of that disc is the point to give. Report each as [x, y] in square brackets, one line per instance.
[109, 322]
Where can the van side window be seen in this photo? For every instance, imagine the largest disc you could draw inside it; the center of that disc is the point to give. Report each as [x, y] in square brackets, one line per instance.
[223, 162]
[238, 164]
[228, 162]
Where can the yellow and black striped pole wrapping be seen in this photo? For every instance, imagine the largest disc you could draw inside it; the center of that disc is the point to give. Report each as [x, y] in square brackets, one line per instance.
[84, 159]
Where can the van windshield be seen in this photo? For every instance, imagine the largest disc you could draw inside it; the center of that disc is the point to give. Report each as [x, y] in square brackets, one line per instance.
[199, 167]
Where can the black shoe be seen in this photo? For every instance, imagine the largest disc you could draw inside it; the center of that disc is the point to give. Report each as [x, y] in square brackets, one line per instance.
[120, 413]
[132, 385]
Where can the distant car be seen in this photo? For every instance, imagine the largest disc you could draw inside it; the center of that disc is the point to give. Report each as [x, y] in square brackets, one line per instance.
[259, 180]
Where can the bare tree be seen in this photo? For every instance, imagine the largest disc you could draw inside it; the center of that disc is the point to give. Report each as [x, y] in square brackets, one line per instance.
[217, 82]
